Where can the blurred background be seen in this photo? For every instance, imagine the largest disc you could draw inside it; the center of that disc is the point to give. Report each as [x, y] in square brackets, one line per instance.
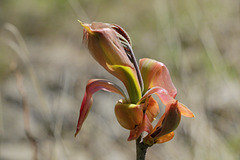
[44, 69]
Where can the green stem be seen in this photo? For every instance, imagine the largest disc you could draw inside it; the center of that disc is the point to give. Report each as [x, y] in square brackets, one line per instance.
[141, 149]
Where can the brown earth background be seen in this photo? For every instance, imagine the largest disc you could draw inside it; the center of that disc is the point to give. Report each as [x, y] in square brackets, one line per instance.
[41, 49]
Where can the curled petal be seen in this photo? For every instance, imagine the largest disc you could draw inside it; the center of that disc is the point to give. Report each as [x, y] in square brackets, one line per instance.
[167, 99]
[93, 86]
[156, 74]
[145, 126]
[163, 131]
[168, 122]
[161, 93]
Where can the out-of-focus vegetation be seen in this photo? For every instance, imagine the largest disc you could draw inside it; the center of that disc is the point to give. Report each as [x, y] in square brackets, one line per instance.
[199, 41]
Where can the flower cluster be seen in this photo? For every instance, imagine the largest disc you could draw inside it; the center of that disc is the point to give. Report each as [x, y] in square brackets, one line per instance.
[111, 47]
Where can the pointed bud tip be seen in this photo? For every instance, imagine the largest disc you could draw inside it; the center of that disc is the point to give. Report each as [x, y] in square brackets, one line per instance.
[80, 21]
[86, 26]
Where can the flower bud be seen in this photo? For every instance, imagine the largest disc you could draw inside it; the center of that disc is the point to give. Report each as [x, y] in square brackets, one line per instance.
[104, 44]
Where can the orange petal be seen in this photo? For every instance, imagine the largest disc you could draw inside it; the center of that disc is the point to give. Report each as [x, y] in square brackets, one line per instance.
[151, 141]
[167, 99]
[152, 109]
[129, 115]
[145, 126]
[165, 138]
[93, 86]
[184, 110]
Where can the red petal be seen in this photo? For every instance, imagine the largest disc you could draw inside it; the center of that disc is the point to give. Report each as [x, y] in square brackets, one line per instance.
[93, 86]
[156, 74]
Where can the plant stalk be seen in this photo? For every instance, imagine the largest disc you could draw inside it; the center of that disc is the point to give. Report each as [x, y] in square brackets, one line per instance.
[141, 149]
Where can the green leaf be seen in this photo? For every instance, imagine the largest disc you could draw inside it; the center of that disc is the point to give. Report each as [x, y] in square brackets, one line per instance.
[130, 81]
